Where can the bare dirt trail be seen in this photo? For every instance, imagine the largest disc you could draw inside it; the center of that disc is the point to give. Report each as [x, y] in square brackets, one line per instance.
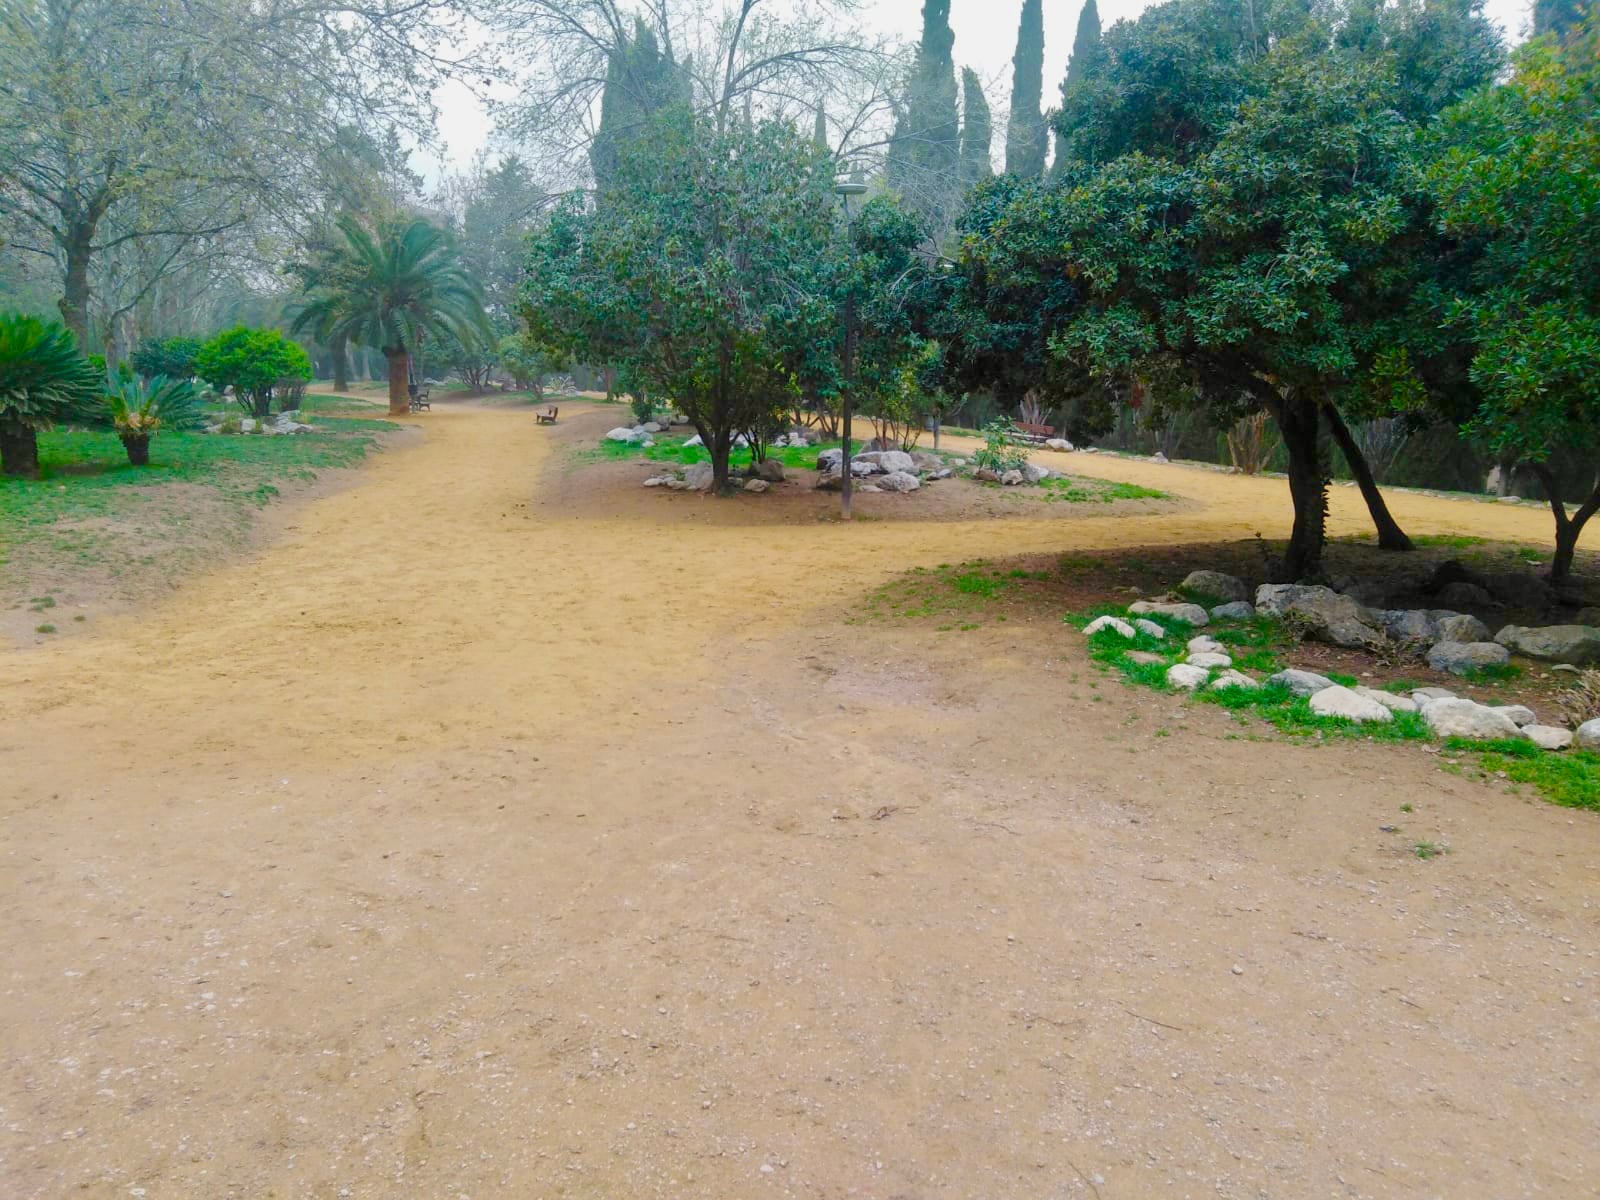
[465, 843]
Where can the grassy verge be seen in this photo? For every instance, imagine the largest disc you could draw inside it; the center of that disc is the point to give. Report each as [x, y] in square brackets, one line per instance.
[1073, 489]
[672, 450]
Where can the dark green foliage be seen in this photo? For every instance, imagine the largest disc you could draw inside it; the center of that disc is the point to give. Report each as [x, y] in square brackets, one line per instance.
[642, 82]
[251, 362]
[1558, 17]
[43, 382]
[977, 133]
[1027, 135]
[925, 147]
[172, 357]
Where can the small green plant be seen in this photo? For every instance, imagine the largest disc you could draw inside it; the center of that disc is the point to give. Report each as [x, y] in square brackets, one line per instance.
[1427, 850]
[1405, 808]
[642, 408]
[140, 410]
[44, 628]
[1002, 448]
[1492, 673]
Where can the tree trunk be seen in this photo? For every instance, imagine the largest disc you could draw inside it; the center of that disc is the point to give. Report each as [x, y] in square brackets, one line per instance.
[399, 375]
[721, 446]
[341, 364]
[74, 302]
[261, 404]
[138, 449]
[19, 449]
[1308, 486]
[609, 374]
[1390, 535]
[1568, 528]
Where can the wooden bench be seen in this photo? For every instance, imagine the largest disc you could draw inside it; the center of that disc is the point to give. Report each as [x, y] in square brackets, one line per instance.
[420, 400]
[1037, 434]
[548, 417]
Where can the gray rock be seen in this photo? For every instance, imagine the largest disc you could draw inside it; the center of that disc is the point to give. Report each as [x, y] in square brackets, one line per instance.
[831, 481]
[1187, 676]
[1548, 737]
[1575, 644]
[699, 477]
[1467, 719]
[768, 469]
[896, 460]
[1409, 625]
[1218, 584]
[1150, 627]
[941, 473]
[862, 467]
[619, 434]
[1115, 624]
[1189, 614]
[829, 460]
[958, 462]
[985, 475]
[1388, 699]
[898, 481]
[658, 481]
[756, 485]
[1518, 714]
[1327, 615]
[1032, 473]
[1232, 679]
[1339, 701]
[924, 461]
[1458, 658]
[1465, 595]
[1519, 589]
[1588, 736]
[651, 427]
[1057, 444]
[1011, 478]
[1209, 660]
[1239, 610]
[1458, 627]
[1205, 645]
[1427, 695]
[1301, 683]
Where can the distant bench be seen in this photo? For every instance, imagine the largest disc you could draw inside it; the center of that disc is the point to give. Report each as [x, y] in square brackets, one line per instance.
[1036, 434]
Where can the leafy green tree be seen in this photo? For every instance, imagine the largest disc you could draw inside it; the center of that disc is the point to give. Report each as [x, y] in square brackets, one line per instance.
[140, 409]
[1558, 17]
[43, 382]
[976, 131]
[1027, 135]
[526, 363]
[400, 285]
[252, 362]
[925, 147]
[172, 357]
[1517, 174]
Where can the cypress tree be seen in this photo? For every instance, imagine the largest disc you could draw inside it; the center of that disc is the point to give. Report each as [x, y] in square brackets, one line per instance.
[641, 81]
[977, 131]
[1088, 57]
[819, 131]
[926, 144]
[1557, 16]
[1026, 135]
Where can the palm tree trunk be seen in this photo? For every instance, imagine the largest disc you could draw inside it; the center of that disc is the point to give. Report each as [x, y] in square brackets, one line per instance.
[341, 364]
[399, 376]
[19, 449]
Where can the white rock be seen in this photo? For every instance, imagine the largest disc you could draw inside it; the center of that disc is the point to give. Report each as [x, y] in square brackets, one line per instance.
[1186, 676]
[1210, 660]
[1057, 444]
[1388, 699]
[1548, 737]
[1011, 478]
[896, 460]
[1301, 683]
[619, 434]
[696, 440]
[658, 481]
[1158, 457]
[1588, 737]
[651, 427]
[1205, 645]
[1467, 719]
[1189, 614]
[1116, 624]
[699, 477]
[898, 481]
[1232, 679]
[1427, 695]
[1032, 473]
[1337, 701]
[1518, 714]
[1150, 627]
[756, 485]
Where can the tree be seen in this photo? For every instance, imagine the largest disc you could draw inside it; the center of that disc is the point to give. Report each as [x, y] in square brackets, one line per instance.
[641, 82]
[172, 357]
[252, 362]
[925, 146]
[1517, 173]
[976, 132]
[1088, 58]
[1557, 17]
[140, 409]
[43, 382]
[1027, 135]
[401, 285]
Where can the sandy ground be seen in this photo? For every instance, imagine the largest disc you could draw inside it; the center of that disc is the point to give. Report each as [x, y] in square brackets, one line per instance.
[470, 841]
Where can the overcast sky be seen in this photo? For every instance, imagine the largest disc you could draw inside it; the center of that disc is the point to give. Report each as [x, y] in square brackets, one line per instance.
[986, 36]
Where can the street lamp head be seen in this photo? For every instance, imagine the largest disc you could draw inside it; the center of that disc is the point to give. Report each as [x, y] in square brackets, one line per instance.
[849, 187]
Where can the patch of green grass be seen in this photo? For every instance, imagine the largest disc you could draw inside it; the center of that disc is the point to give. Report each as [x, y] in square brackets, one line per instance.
[1453, 541]
[1427, 850]
[1400, 687]
[44, 628]
[1570, 778]
[671, 449]
[1074, 489]
[1405, 808]
[1493, 673]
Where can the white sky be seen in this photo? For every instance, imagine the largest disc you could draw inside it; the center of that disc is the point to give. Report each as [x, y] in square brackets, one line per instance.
[986, 37]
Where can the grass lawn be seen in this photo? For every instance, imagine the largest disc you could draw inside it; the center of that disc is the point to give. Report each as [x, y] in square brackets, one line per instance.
[670, 449]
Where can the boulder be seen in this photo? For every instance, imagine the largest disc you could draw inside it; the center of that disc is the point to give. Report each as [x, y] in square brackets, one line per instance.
[985, 475]
[1238, 610]
[1189, 614]
[1578, 645]
[898, 481]
[1588, 735]
[1115, 624]
[924, 461]
[1217, 584]
[756, 485]
[829, 460]
[1465, 595]
[941, 473]
[1388, 699]
[1159, 457]
[1057, 444]
[1409, 625]
[1337, 701]
[1519, 589]
[1327, 615]
[1458, 658]
[1301, 683]
[1206, 645]
[1232, 679]
[896, 460]
[1518, 714]
[1548, 737]
[768, 469]
[619, 434]
[699, 477]
[830, 482]
[1011, 478]
[862, 467]
[1427, 695]
[1151, 628]
[696, 440]
[1033, 473]
[1458, 627]
[652, 427]
[1209, 660]
[1187, 676]
[1467, 719]
[958, 462]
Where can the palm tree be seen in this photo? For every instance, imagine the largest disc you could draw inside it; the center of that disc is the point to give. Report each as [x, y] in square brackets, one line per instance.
[43, 381]
[392, 290]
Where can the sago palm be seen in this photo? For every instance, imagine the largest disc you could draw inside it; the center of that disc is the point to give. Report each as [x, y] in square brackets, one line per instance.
[392, 290]
[43, 382]
[140, 410]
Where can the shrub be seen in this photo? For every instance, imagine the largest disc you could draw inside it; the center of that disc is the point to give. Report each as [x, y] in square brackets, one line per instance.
[140, 410]
[252, 362]
[1002, 449]
[172, 357]
[1581, 702]
[43, 382]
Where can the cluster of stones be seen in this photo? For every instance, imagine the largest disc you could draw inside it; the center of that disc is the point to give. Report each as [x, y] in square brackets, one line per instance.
[282, 423]
[1459, 642]
[1027, 473]
[882, 470]
[644, 434]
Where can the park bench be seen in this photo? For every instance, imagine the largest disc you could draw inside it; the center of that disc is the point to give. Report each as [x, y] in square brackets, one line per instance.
[420, 399]
[1037, 434]
[548, 417]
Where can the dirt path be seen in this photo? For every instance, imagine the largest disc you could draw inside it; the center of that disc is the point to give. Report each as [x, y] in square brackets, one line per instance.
[467, 843]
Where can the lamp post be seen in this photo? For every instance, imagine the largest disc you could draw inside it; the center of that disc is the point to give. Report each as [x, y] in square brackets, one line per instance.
[844, 189]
